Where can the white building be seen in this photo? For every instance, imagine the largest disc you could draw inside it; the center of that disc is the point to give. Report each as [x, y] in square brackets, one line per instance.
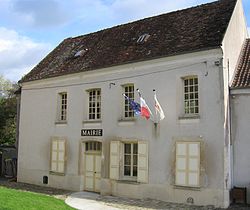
[188, 56]
[240, 115]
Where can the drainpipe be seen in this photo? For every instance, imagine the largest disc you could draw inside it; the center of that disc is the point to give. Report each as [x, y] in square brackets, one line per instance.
[18, 99]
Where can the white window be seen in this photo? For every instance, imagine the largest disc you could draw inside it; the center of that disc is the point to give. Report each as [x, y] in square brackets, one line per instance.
[62, 107]
[191, 95]
[94, 112]
[130, 159]
[58, 151]
[134, 164]
[129, 92]
[93, 146]
[187, 165]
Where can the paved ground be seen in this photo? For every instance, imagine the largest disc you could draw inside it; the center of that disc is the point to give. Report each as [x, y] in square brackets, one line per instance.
[92, 201]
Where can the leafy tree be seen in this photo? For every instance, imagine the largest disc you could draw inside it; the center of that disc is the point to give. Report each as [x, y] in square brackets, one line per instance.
[7, 112]
[5, 87]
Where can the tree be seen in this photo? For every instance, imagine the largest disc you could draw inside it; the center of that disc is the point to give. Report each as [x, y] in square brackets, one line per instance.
[5, 87]
[7, 112]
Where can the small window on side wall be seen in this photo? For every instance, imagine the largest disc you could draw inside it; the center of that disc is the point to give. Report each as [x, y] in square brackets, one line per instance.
[191, 95]
[94, 106]
[128, 90]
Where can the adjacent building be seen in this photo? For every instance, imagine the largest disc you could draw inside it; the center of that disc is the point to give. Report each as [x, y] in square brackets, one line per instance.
[78, 132]
[240, 115]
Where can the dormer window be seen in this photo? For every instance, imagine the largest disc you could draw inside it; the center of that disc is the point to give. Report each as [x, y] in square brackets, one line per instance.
[143, 38]
[80, 53]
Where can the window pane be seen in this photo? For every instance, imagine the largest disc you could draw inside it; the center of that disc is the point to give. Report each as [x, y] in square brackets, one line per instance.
[134, 171]
[135, 149]
[127, 170]
[127, 148]
[135, 160]
[127, 160]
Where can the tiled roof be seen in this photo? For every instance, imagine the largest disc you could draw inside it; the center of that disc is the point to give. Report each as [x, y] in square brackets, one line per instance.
[242, 75]
[193, 29]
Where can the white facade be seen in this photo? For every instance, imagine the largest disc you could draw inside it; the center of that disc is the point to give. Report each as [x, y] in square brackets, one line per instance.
[157, 151]
[38, 116]
[240, 102]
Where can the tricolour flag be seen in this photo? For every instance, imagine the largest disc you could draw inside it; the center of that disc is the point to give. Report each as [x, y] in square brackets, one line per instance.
[158, 108]
[145, 111]
[133, 105]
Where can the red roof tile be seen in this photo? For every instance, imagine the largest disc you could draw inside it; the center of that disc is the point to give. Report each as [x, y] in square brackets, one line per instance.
[242, 74]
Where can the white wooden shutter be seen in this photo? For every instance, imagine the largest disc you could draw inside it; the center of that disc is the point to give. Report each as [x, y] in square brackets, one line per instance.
[194, 164]
[187, 168]
[58, 155]
[142, 162]
[181, 165]
[114, 160]
[53, 155]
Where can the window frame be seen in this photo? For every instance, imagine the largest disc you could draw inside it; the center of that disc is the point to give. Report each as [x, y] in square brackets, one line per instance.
[94, 113]
[125, 103]
[129, 177]
[187, 169]
[62, 107]
[186, 97]
[116, 166]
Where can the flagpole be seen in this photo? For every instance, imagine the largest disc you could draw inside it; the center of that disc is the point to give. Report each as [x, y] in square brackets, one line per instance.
[138, 91]
[155, 108]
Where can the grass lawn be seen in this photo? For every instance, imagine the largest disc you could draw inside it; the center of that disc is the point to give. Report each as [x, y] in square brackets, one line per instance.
[19, 200]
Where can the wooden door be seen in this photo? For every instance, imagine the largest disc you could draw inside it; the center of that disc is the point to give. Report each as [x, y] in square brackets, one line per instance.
[92, 167]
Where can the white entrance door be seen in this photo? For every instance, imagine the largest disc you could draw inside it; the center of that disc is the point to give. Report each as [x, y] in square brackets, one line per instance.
[92, 168]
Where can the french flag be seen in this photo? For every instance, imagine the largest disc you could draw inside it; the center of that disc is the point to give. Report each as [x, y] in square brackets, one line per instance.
[145, 111]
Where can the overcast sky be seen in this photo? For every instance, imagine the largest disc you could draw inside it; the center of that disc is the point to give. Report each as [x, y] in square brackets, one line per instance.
[29, 29]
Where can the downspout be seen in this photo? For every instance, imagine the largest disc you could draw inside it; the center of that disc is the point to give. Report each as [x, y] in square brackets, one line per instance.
[18, 100]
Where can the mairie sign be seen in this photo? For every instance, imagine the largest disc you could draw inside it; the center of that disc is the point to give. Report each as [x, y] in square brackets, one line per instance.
[91, 132]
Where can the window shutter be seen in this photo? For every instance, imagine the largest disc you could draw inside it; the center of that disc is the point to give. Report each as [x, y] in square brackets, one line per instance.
[142, 162]
[58, 155]
[187, 164]
[53, 155]
[194, 164]
[181, 165]
[114, 160]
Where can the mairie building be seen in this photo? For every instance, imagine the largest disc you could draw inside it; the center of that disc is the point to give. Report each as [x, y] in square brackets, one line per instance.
[78, 132]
